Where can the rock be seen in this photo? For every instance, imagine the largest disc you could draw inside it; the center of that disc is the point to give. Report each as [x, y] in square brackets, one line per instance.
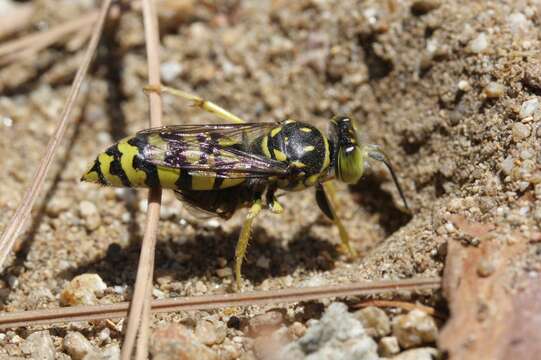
[494, 90]
[210, 332]
[338, 335]
[90, 214]
[520, 131]
[296, 330]
[414, 329]
[528, 108]
[170, 71]
[388, 346]
[57, 206]
[426, 353]
[375, 321]
[422, 7]
[264, 323]
[110, 352]
[39, 346]
[479, 44]
[507, 165]
[77, 346]
[82, 290]
[175, 341]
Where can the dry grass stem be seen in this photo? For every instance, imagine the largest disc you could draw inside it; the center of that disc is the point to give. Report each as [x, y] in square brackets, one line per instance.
[18, 220]
[33, 43]
[139, 315]
[208, 302]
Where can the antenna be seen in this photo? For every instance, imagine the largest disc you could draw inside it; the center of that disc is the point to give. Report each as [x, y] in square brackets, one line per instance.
[376, 153]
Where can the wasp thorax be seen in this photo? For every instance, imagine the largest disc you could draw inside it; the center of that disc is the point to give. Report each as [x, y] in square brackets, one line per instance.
[349, 161]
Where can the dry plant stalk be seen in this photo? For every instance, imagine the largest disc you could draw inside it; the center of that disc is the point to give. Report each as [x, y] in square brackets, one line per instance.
[208, 302]
[18, 220]
[139, 315]
[12, 50]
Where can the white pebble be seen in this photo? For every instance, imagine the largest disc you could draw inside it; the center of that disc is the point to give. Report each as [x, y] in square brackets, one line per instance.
[6, 121]
[517, 22]
[479, 44]
[170, 71]
[82, 290]
[90, 213]
[494, 90]
[529, 107]
[464, 85]
[507, 165]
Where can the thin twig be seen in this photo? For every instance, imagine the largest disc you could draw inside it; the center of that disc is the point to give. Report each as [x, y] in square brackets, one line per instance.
[208, 302]
[139, 316]
[18, 220]
[10, 50]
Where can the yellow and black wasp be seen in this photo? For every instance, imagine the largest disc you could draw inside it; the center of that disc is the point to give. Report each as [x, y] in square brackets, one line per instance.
[220, 168]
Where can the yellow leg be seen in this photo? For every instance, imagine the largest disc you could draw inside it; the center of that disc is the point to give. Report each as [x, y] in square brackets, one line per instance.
[244, 238]
[330, 192]
[199, 102]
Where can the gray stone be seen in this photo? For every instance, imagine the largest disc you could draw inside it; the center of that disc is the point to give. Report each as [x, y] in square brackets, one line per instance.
[338, 335]
[39, 346]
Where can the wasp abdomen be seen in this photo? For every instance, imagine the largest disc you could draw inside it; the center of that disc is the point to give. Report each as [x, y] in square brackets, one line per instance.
[126, 164]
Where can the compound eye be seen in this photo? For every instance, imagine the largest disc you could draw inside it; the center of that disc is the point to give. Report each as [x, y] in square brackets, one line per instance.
[350, 164]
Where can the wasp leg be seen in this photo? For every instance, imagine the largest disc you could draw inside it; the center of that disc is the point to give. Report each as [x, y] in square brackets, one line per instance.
[244, 238]
[272, 203]
[325, 198]
[197, 101]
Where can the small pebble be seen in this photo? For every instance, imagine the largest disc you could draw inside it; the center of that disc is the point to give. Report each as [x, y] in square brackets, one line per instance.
[422, 7]
[425, 353]
[210, 332]
[520, 131]
[528, 108]
[479, 44]
[264, 323]
[464, 85]
[39, 345]
[82, 290]
[175, 341]
[494, 90]
[77, 346]
[297, 329]
[90, 214]
[517, 22]
[375, 321]
[338, 335]
[388, 346]
[170, 71]
[57, 206]
[507, 165]
[414, 329]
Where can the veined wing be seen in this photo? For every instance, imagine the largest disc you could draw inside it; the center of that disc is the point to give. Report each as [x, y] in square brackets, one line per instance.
[217, 150]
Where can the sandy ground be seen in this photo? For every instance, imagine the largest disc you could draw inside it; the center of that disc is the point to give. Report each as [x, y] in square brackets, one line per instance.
[451, 92]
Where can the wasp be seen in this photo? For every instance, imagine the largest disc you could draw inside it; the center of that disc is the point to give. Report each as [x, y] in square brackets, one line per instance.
[220, 168]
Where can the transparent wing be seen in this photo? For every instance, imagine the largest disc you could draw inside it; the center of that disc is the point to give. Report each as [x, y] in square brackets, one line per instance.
[220, 150]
